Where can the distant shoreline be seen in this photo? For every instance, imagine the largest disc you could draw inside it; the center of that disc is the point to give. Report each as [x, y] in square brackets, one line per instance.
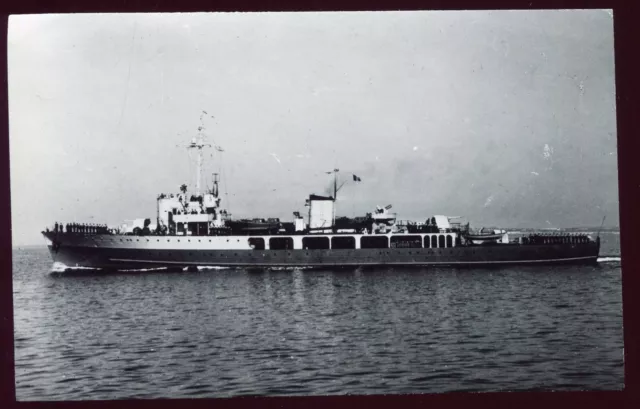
[567, 229]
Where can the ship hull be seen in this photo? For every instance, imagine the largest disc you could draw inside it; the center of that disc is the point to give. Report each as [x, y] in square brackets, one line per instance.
[146, 253]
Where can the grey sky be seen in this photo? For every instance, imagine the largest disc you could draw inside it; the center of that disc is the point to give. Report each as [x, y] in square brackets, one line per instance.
[437, 112]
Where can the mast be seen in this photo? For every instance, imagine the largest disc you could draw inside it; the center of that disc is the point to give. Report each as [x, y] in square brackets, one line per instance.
[335, 196]
[199, 172]
[198, 143]
[335, 193]
[214, 191]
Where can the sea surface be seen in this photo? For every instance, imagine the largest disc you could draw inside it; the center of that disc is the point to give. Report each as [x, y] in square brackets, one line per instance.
[221, 333]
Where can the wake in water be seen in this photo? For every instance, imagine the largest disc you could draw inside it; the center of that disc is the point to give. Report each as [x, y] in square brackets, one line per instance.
[607, 259]
[59, 268]
[200, 268]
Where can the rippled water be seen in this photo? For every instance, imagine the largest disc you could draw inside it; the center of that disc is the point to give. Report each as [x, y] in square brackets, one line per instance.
[312, 332]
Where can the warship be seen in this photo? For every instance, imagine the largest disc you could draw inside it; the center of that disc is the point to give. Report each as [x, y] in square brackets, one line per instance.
[193, 230]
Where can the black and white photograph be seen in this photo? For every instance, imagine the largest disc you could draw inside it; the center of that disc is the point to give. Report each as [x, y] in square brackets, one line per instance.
[215, 205]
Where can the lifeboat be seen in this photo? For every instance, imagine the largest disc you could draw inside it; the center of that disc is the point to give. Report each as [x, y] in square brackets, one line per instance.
[485, 237]
[254, 226]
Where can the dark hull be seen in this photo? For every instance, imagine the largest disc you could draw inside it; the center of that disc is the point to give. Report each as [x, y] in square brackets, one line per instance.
[141, 258]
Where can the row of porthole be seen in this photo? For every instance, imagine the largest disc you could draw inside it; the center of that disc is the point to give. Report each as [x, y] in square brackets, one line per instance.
[191, 254]
[275, 254]
[236, 254]
[222, 255]
[289, 253]
[265, 254]
[168, 241]
[238, 240]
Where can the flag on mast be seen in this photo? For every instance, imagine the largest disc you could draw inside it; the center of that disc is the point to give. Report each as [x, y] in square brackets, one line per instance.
[356, 178]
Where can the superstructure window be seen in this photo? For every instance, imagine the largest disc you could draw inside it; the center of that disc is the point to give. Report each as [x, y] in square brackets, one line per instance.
[281, 243]
[434, 241]
[441, 240]
[256, 243]
[197, 228]
[374, 242]
[315, 243]
[343, 242]
[406, 242]
[449, 241]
